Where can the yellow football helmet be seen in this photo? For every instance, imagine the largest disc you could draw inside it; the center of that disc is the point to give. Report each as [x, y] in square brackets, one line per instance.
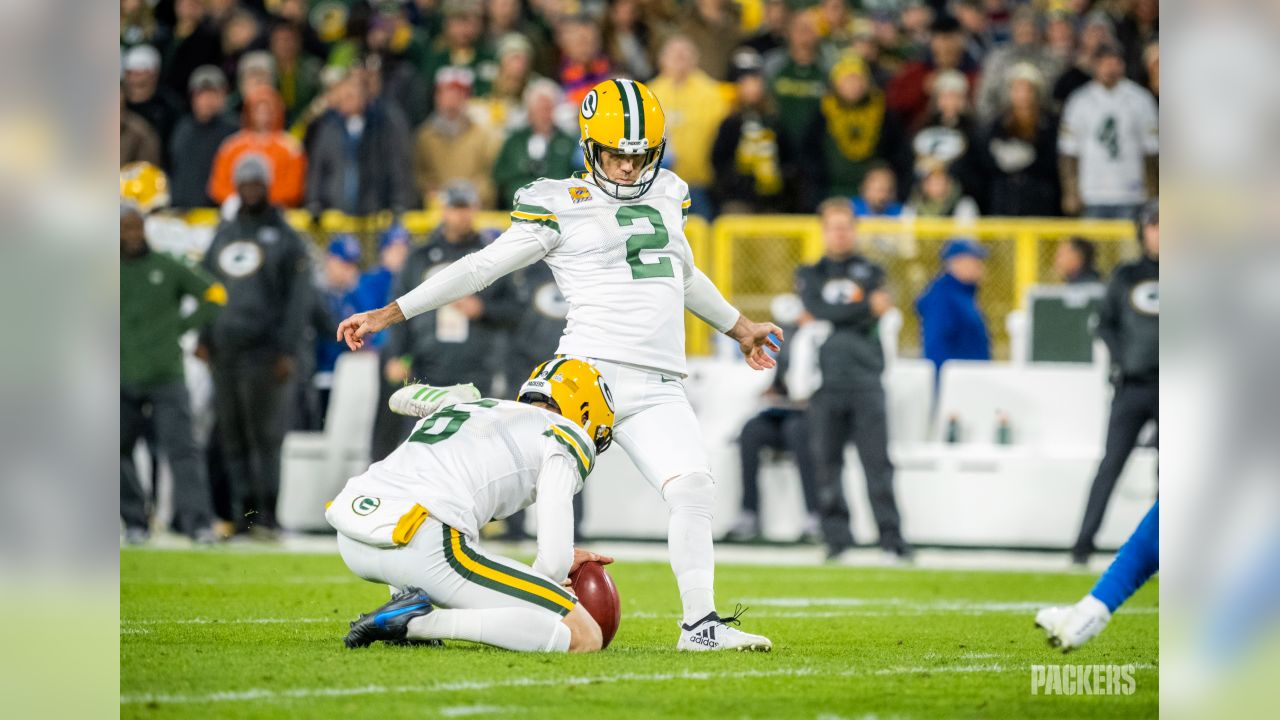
[145, 185]
[623, 116]
[575, 390]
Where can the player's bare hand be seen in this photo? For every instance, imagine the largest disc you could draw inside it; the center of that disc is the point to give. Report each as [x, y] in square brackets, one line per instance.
[354, 329]
[754, 339]
[584, 556]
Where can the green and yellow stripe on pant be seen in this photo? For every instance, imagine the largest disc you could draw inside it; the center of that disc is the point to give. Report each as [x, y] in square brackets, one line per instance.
[507, 580]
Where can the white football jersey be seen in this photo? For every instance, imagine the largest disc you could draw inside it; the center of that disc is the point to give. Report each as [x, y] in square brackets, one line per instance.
[1111, 132]
[620, 265]
[474, 462]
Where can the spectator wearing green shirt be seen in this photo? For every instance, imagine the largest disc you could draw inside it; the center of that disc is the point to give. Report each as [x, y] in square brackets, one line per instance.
[152, 288]
[797, 76]
[539, 149]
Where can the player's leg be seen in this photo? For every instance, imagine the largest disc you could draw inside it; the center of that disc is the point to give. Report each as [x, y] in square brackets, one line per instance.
[477, 597]
[1129, 412]
[665, 443]
[1071, 626]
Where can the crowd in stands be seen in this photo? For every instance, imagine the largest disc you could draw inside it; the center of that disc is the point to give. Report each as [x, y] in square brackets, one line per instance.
[936, 107]
[892, 107]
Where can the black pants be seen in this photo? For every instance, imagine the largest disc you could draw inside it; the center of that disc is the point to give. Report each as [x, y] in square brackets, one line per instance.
[1133, 405]
[782, 431]
[250, 405]
[170, 415]
[835, 418]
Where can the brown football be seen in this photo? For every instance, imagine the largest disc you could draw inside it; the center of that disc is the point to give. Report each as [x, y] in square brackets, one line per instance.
[598, 594]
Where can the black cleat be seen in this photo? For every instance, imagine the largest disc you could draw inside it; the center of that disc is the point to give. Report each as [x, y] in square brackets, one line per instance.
[389, 623]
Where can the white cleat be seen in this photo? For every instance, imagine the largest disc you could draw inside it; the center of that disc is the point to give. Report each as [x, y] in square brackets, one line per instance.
[1071, 626]
[422, 400]
[715, 633]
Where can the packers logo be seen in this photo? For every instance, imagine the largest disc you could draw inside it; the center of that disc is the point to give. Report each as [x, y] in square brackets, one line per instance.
[1145, 297]
[589, 105]
[579, 194]
[365, 505]
[840, 291]
[240, 259]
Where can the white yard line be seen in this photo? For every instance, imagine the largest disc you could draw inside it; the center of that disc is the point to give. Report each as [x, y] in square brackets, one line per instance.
[215, 621]
[474, 685]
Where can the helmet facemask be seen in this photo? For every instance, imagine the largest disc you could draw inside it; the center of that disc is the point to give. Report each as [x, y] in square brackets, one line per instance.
[591, 151]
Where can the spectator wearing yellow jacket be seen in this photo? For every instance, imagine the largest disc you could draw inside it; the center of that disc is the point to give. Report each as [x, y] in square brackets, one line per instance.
[695, 107]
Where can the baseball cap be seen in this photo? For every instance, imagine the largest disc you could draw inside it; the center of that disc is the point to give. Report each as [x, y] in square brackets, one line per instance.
[457, 76]
[956, 247]
[345, 247]
[394, 235]
[251, 167]
[950, 80]
[257, 61]
[207, 77]
[745, 62]
[461, 193]
[141, 58]
[513, 43]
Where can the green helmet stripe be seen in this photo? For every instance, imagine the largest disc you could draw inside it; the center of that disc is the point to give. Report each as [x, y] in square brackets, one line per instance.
[626, 109]
[639, 108]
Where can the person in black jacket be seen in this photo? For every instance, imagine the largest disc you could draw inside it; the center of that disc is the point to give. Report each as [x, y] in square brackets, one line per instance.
[748, 155]
[1020, 152]
[456, 343]
[197, 138]
[358, 155]
[848, 291]
[253, 344]
[1129, 324]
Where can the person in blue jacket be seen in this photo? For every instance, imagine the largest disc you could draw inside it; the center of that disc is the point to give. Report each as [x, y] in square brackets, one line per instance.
[951, 322]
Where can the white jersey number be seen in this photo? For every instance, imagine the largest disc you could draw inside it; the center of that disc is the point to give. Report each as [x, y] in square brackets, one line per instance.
[444, 424]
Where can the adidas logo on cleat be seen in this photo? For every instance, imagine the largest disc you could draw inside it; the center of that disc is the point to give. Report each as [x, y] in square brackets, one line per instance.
[707, 636]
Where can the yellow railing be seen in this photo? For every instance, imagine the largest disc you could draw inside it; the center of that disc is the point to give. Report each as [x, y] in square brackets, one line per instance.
[752, 258]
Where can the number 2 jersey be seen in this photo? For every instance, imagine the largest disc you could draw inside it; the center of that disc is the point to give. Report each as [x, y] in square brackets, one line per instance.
[624, 267]
[470, 463]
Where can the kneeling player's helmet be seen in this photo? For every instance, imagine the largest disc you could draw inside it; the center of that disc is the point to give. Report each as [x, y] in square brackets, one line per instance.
[145, 185]
[623, 116]
[575, 390]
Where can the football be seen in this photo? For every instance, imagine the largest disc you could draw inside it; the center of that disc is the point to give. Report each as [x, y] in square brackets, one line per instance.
[598, 594]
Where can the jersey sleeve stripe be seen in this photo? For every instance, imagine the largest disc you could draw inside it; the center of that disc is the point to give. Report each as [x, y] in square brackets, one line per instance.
[506, 580]
[535, 215]
[573, 451]
[584, 449]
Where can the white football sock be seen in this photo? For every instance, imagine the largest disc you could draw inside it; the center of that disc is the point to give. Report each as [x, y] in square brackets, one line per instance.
[689, 542]
[520, 629]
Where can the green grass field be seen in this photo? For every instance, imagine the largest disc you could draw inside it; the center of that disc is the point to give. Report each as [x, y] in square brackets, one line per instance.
[234, 634]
